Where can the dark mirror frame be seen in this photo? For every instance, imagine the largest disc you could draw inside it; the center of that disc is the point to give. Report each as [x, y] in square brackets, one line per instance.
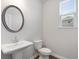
[4, 22]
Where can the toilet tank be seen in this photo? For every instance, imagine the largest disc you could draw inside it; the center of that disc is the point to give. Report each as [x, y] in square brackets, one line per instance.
[37, 44]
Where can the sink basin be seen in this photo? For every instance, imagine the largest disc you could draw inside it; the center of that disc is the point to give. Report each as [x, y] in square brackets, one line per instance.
[13, 47]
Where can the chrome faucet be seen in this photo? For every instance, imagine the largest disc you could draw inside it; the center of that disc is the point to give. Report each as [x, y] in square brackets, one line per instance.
[15, 39]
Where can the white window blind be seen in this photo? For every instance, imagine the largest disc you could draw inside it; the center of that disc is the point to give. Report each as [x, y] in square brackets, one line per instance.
[67, 7]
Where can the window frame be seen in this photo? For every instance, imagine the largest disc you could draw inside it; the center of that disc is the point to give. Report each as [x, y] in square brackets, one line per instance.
[75, 13]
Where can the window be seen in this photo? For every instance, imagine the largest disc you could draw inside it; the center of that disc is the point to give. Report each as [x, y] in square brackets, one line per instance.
[67, 6]
[67, 12]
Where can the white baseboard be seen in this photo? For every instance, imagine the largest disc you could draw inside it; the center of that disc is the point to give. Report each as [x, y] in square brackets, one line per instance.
[53, 54]
[58, 56]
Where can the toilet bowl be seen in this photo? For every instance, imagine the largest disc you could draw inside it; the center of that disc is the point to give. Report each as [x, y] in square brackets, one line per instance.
[43, 52]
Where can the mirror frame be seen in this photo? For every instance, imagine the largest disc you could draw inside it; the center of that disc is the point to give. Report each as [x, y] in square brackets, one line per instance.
[4, 22]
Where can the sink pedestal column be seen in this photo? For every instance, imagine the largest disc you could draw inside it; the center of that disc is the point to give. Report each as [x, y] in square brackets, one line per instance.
[17, 55]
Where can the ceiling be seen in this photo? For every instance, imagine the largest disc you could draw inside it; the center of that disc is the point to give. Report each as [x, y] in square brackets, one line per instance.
[44, 1]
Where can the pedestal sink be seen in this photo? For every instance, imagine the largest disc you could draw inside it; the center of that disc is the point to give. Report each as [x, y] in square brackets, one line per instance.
[12, 48]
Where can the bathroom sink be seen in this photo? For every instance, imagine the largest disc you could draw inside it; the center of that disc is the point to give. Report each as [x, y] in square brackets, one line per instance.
[13, 47]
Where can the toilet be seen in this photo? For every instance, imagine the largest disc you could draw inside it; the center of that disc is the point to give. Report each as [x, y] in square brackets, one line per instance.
[43, 52]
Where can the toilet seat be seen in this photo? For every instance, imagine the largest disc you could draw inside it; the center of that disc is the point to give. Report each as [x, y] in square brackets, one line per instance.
[45, 51]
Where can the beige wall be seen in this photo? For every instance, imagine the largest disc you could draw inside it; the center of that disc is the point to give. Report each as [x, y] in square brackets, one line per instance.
[32, 10]
[61, 41]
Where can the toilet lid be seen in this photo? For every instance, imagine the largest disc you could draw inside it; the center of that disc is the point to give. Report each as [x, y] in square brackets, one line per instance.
[45, 51]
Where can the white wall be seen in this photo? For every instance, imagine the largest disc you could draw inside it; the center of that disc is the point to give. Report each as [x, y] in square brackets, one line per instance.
[32, 11]
[61, 41]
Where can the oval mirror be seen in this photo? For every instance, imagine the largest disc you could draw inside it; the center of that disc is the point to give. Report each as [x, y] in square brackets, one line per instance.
[12, 18]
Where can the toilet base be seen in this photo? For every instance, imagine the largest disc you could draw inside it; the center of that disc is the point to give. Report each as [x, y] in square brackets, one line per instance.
[44, 57]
